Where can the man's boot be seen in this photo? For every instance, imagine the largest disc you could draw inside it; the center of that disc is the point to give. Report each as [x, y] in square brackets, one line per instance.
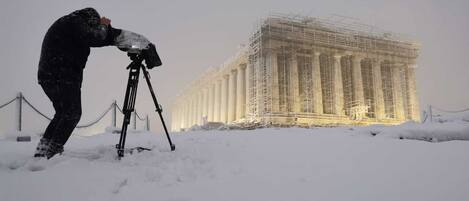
[42, 147]
[54, 148]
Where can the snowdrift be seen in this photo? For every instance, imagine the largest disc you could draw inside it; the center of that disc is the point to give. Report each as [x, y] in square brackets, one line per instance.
[346, 163]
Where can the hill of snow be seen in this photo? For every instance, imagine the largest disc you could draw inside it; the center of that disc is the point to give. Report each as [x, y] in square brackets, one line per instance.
[345, 163]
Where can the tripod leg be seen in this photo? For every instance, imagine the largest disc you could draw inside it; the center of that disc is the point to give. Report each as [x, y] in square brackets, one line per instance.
[158, 107]
[129, 104]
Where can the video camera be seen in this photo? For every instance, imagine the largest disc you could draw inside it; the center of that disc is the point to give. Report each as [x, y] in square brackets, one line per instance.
[137, 45]
[151, 57]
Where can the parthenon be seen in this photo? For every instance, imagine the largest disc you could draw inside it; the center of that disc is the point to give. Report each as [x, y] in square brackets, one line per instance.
[305, 71]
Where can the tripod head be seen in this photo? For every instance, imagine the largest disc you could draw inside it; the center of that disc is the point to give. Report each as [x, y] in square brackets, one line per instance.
[135, 57]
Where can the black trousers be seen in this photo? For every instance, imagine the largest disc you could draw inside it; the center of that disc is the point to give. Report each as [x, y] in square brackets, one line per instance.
[66, 99]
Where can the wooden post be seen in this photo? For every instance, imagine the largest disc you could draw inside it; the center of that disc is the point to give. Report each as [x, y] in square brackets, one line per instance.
[19, 105]
[147, 123]
[430, 113]
[134, 116]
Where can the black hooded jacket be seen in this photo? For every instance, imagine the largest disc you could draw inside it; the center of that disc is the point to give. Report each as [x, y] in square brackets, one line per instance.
[67, 43]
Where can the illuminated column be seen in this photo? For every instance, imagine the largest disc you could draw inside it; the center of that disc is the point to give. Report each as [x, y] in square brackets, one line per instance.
[173, 119]
[414, 102]
[197, 117]
[186, 114]
[248, 89]
[232, 96]
[240, 92]
[317, 90]
[217, 103]
[193, 110]
[338, 87]
[189, 112]
[358, 96]
[275, 87]
[294, 84]
[180, 116]
[200, 99]
[397, 92]
[211, 96]
[204, 104]
[378, 89]
[224, 99]
[174, 123]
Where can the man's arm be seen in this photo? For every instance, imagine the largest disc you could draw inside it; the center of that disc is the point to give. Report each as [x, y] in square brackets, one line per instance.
[99, 35]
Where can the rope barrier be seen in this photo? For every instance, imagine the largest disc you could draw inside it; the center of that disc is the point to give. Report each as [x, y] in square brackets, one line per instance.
[138, 116]
[8, 103]
[96, 121]
[122, 111]
[78, 126]
[35, 109]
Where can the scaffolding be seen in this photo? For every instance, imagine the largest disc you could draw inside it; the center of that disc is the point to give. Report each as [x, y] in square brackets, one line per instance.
[280, 42]
[309, 71]
[368, 85]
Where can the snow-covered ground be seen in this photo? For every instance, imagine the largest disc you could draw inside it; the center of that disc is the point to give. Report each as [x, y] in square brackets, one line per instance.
[288, 164]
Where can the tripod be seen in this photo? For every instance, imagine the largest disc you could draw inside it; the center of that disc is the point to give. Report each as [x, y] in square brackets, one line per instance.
[129, 101]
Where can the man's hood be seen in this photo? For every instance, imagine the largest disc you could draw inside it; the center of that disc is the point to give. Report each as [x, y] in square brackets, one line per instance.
[90, 15]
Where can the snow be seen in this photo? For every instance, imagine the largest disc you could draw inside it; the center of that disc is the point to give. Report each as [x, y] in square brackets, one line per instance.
[345, 163]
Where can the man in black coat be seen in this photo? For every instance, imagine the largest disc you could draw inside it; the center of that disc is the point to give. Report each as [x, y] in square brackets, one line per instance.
[64, 53]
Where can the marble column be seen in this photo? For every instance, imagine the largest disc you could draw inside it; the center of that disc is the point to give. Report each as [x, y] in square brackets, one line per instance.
[176, 118]
[174, 123]
[196, 118]
[358, 96]
[397, 92]
[378, 89]
[193, 111]
[224, 99]
[272, 56]
[294, 84]
[181, 115]
[217, 104]
[232, 97]
[317, 89]
[240, 92]
[338, 87]
[186, 114]
[173, 120]
[200, 100]
[413, 98]
[248, 89]
[205, 105]
[189, 113]
[211, 96]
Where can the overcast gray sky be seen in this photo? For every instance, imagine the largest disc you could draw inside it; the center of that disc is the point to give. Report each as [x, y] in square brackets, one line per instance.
[192, 36]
